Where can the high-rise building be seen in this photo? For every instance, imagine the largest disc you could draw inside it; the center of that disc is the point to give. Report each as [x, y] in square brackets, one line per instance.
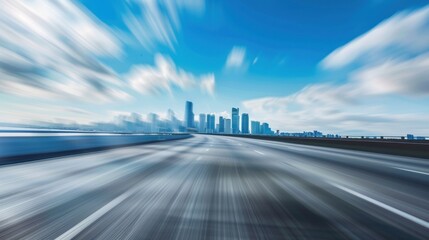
[202, 127]
[210, 123]
[235, 115]
[189, 115]
[256, 127]
[213, 122]
[221, 125]
[227, 126]
[245, 123]
[265, 129]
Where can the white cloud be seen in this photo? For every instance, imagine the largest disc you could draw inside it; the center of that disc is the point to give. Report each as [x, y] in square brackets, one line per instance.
[50, 49]
[236, 57]
[346, 108]
[404, 34]
[164, 76]
[286, 113]
[391, 58]
[407, 77]
[158, 21]
[208, 83]
[40, 112]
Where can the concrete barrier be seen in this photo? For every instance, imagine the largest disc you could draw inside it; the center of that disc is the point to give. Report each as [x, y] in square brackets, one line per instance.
[17, 148]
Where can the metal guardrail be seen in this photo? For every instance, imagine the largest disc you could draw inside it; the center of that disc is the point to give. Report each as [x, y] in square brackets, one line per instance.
[388, 137]
[415, 138]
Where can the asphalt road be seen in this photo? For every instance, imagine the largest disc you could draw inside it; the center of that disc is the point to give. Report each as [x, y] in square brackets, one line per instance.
[213, 187]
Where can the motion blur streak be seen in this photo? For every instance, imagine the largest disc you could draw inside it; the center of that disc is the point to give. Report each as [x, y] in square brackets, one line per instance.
[212, 187]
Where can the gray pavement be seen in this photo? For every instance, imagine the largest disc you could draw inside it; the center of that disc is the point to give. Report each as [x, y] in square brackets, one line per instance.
[215, 187]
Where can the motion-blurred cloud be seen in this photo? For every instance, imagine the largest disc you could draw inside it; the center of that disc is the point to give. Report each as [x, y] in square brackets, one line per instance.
[51, 49]
[164, 75]
[152, 22]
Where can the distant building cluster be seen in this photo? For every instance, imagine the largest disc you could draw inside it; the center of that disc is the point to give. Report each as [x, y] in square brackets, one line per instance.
[315, 133]
[412, 137]
[154, 124]
[237, 124]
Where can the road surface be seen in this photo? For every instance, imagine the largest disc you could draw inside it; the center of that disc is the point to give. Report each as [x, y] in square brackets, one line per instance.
[214, 187]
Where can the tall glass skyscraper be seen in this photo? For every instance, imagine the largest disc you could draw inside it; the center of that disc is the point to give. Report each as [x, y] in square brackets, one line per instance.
[210, 123]
[189, 115]
[256, 127]
[235, 114]
[245, 123]
[213, 123]
[265, 129]
[202, 127]
[227, 126]
[221, 125]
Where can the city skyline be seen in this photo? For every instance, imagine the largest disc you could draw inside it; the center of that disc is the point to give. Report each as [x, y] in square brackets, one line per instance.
[206, 123]
[347, 67]
[198, 123]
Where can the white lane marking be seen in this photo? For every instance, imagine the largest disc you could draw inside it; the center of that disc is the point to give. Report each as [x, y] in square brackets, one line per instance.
[199, 158]
[73, 232]
[409, 170]
[385, 206]
[259, 152]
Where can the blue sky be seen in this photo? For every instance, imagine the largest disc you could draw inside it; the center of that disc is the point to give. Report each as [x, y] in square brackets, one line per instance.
[349, 67]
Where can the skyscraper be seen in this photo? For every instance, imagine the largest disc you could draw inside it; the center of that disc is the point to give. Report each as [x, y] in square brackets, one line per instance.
[227, 126]
[189, 115]
[245, 123]
[221, 125]
[265, 129]
[210, 123]
[202, 127]
[256, 126]
[213, 122]
[235, 114]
